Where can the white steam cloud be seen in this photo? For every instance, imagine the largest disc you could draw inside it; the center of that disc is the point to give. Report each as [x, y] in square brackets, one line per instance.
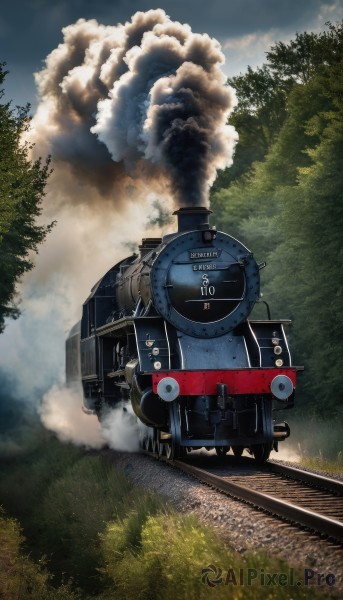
[130, 114]
[60, 412]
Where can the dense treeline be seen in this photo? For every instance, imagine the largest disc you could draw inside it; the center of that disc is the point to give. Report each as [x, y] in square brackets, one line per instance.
[22, 188]
[284, 198]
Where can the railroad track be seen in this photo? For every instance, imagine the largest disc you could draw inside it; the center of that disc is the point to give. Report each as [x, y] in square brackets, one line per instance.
[300, 497]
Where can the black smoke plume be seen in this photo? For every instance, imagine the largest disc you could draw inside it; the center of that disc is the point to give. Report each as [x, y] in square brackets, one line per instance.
[135, 108]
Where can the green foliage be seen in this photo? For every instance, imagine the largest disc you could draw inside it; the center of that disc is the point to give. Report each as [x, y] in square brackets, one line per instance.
[75, 509]
[317, 441]
[28, 469]
[20, 577]
[264, 93]
[258, 117]
[63, 499]
[22, 185]
[311, 217]
[126, 533]
[228, 209]
[288, 206]
[90, 526]
[168, 560]
[177, 556]
[303, 58]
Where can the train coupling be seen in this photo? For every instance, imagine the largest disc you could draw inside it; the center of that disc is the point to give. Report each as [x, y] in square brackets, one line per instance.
[222, 396]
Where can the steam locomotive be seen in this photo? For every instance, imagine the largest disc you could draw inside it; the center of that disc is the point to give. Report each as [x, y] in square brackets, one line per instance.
[168, 333]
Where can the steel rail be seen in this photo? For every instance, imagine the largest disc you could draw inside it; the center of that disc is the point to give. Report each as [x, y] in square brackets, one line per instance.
[291, 512]
[313, 479]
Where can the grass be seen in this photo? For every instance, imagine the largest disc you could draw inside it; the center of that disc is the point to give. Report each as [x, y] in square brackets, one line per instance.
[317, 443]
[177, 558]
[91, 534]
[20, 577]
[320, 463]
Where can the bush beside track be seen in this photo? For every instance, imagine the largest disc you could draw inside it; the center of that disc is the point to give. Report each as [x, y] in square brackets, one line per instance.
[90, 533]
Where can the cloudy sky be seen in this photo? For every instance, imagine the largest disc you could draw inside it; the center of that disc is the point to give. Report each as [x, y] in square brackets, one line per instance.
[30, 29]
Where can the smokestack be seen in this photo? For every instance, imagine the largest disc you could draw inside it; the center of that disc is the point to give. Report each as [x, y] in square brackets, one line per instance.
[192, 217]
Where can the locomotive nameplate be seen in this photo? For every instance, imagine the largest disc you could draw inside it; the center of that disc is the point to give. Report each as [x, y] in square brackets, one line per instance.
[203, 254]
[208, 266]
[205, 267]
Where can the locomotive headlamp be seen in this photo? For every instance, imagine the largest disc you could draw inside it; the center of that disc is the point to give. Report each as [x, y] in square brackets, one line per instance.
[279, 362]
[168, 389]
[208, 235]
[281, 387]
[277, 350]
[275, 341]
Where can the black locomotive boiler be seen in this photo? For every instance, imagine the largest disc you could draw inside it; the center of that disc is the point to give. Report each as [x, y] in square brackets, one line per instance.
[168, 331]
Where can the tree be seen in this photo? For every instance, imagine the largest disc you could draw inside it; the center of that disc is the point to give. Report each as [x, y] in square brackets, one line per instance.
[22, 185]
[288, 208]
[258, 117]
[263, 94]
[311, 215]
[307, 55]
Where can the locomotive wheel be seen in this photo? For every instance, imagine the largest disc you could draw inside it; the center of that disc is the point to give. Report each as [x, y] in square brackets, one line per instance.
[173, 446]
[159, 448]
[237, 451]
[222, 450]
[173, 451]
[153, 442]
[147, 444]
[170, 451]
[261, 452]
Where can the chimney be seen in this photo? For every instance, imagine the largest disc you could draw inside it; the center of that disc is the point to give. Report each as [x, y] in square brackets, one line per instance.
[193, 217]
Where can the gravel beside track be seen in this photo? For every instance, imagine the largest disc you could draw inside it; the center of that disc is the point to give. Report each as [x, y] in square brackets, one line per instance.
[240, 526]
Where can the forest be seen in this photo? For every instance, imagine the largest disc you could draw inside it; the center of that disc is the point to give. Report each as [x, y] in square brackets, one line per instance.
[283, 198]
